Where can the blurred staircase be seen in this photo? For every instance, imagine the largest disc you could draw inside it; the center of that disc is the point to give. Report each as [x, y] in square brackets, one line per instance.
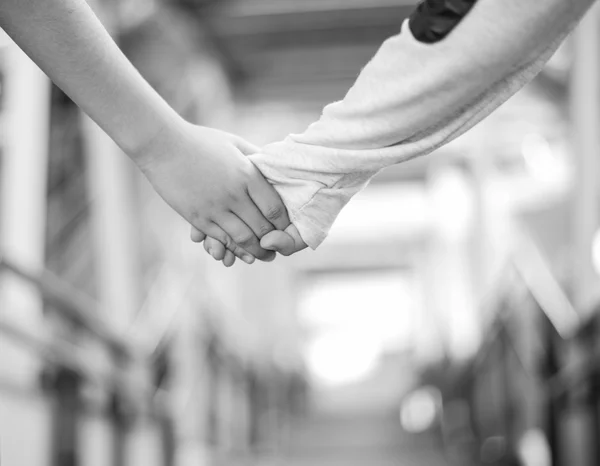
[359, 425]
[373, 439]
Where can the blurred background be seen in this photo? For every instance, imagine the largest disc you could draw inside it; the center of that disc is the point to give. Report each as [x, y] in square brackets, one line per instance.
[450, 319]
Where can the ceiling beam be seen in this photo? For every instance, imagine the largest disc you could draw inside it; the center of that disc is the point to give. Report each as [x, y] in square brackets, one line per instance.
[284, 24]
[246, 8]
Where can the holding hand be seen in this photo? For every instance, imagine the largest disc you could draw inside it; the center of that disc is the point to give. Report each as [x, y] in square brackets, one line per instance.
[204, 175]
[286, 243]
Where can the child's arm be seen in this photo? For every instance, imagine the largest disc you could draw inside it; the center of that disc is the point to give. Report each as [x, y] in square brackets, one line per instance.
[420, 91]
[202, 173]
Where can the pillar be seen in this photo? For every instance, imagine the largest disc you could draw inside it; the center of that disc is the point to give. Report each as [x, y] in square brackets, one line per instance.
[116, 256]
[585, 121]
[23, 173]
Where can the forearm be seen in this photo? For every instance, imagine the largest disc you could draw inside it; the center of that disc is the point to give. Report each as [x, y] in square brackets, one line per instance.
[66, 40]
[411, 99]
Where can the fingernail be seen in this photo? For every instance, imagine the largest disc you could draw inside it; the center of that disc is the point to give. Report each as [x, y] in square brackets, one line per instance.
[247, 258]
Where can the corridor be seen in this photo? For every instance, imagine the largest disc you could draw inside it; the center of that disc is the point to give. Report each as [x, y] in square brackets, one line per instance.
[450, 318]
[359, 424]
[374, 439]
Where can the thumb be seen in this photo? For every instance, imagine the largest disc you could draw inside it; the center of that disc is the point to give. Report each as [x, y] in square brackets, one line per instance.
[285, 242]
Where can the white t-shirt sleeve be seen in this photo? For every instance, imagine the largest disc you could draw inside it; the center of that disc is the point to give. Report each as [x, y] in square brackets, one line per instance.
[409, 100]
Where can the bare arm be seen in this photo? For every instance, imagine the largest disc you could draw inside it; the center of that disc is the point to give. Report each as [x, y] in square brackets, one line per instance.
[67, 41]
[201, 173]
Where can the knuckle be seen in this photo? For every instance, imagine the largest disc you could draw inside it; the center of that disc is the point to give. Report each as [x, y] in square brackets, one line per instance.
[238, 251]
[196, 219]
[274, 211]
[201, 222]
[244, 239]
[265, 228]
[228, 242]
[233, 196]
[220, 239]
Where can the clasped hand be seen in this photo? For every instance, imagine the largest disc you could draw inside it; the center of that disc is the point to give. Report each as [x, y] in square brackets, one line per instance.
[204, 175]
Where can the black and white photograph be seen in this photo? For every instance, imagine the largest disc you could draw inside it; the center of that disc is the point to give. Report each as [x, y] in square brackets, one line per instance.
[299, 233]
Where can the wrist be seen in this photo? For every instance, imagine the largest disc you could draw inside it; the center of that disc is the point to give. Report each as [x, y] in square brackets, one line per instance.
[152, 145]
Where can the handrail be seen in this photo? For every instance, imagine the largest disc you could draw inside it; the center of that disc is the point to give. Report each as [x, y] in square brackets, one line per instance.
[74, 306]
[52, 351]
[535, 274]
[144, 320]
[66, 355]
[546, 290]
[556, 306]
[85, 312]
[497, 329]
[573, 375]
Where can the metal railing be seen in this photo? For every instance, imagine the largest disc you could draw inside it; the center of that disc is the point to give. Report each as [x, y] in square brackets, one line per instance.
[81, 310]
[72, 305]
[564, 381]
[129, 395]
[70, 365]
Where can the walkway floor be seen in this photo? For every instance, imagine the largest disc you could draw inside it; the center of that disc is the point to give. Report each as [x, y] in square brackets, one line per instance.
[360, 426]
[365, 440]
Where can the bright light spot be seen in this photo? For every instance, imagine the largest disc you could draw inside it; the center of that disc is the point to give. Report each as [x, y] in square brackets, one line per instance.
[452, 202]
[534, 449]
[383, 212]
[419, 410]
[353, 321]
[342, 358]
[541, 159]
[379, 304]
[596, 252]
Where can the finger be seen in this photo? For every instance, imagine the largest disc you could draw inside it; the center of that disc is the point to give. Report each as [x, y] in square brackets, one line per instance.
[268, 201]
[243, 236]
[214, 248]
[218, 251]
[216, 232]
[253, 217]
[229, 259]
[285, 242]
[279, 241]
[196, 235]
